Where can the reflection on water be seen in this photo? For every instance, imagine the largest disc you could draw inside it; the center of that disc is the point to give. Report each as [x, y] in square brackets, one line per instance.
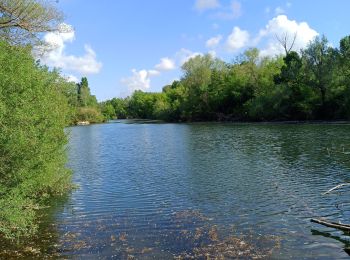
[159, 191]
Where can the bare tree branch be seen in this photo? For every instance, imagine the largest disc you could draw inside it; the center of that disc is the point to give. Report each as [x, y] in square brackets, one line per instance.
[23, 21]
[284, 40]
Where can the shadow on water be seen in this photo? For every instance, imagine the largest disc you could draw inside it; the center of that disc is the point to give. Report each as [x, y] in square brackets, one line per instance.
[341, 239]
[45, 243]
[135, 121]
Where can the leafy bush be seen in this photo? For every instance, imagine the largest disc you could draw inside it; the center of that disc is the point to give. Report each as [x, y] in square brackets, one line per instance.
[33, 114]
[91, 114]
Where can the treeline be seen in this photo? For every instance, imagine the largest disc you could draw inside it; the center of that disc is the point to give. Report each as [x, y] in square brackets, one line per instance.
[313, 84]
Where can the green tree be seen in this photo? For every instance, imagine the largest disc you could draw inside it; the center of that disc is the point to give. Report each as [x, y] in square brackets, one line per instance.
[108, 110]
[34, 112]
[177, 97]
[296, 98]
[84, 96]
[341, 88]
[87, 106]
[120, 106]
[141, 105]
[197, 78]
[266, 100]
[320, 61]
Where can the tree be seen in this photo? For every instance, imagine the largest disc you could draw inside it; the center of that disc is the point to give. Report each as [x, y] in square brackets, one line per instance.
[141, 105]
[120, 106]
[294, 104]
[251, 68]
[342, 92]
[197, 77]
[34, 113]
[266, 96]
[177, 96]
[22, 21]
[287, 42]
[291, 70]
[344, 51]
[108, 110]
[84, 96]
[87, 108]
[319, 60]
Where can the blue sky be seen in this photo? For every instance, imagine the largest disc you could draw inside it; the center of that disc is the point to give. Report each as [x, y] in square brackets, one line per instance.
[125, 45]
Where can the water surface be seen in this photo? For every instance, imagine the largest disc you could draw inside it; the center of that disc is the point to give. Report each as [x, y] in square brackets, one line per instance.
[155, 191]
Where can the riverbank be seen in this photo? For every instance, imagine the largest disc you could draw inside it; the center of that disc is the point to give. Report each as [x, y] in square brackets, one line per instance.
[284, 122]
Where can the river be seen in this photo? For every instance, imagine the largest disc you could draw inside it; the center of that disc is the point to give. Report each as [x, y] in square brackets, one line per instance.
[159, 191]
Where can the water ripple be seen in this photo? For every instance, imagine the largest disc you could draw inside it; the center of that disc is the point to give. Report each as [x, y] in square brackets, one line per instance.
[265, 179]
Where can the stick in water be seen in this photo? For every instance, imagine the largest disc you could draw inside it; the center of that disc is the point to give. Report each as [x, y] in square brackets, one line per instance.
[344, 227]
[336, 187]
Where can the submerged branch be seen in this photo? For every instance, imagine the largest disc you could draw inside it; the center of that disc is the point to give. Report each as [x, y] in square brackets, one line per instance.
[336, 187]
[344, 227]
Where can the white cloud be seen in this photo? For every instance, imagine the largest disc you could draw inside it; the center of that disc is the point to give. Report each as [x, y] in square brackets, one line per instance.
[267, 38]
[153, 73]
[281, 26]
[213, 42]
[213, 53]
[184, 55]
[279, 10]
[55, 55]
[237, 40]
[165, 64]
[72, 78]
[234, 11]
[57, 40]
[140, 80]
[202, 5]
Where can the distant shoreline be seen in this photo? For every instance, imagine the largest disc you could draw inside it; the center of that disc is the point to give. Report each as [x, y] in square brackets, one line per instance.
[283, 122]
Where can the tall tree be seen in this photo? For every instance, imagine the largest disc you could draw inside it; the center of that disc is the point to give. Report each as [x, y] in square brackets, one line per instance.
[345, 55]
[343, 97]
[295, 95]
[197, 78]
[22, 21]
[84, 96]
[319, 60]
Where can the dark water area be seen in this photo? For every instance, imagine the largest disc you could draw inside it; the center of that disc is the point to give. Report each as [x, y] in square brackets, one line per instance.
[159, 191]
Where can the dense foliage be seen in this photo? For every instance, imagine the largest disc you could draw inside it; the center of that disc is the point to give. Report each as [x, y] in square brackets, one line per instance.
[35, 106]
[311, 85]
[85, 105]
[34, 112]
